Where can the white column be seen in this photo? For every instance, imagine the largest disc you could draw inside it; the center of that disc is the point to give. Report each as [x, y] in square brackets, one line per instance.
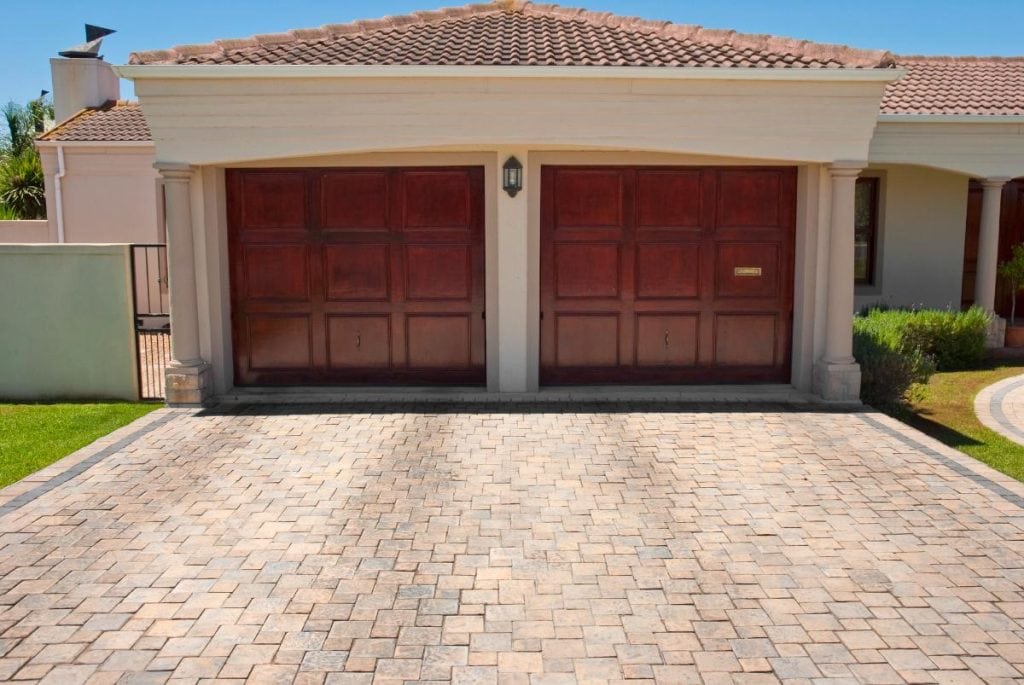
[988, 255]
[513, 279]
[837, 375]
[187, 375]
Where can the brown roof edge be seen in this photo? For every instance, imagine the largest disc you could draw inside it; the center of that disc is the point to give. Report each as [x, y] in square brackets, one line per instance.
[847, 56]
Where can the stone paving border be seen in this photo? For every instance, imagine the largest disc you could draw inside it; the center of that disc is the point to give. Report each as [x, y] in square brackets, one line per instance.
[714, 394]
[977, 472]
[18, 494]
[991, 408]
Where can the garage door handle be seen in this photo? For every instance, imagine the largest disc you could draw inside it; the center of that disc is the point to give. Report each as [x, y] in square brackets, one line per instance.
[666, 338]
[359, 340]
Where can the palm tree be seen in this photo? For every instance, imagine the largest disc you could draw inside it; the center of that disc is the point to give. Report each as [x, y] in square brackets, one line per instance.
[22, 193]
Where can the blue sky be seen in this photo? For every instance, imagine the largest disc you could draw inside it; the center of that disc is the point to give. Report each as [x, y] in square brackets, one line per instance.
[32, 32]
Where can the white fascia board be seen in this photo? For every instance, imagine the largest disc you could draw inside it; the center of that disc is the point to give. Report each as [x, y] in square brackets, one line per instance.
[951, 119]
[224, 71]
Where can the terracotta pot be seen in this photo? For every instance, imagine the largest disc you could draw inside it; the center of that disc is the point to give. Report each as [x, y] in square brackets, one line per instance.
[1014, 336]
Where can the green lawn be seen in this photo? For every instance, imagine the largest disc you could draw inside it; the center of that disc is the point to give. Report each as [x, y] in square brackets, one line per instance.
[36, 435]
[945, 411]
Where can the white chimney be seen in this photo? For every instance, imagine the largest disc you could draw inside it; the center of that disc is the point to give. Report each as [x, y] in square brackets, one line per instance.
[80, 83]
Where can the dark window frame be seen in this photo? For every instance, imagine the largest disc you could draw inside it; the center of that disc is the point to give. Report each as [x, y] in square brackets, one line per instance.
[875, 183]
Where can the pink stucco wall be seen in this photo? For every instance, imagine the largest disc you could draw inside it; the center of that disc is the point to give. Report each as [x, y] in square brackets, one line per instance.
[110, 194]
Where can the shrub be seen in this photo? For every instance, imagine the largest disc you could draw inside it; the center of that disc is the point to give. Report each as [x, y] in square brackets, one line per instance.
[955, 340]
[889, 369]
[898, 348]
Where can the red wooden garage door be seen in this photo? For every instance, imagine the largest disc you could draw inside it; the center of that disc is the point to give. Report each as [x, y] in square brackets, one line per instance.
[357, 275]
[666, 275]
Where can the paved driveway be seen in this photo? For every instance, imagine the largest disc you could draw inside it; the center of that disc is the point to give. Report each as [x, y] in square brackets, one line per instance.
[569, 545]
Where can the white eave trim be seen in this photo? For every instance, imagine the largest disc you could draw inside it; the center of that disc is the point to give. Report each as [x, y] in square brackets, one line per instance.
[951, 118]
[224, 71]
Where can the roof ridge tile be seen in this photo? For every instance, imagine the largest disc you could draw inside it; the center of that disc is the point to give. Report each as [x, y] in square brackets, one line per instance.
[806, 52]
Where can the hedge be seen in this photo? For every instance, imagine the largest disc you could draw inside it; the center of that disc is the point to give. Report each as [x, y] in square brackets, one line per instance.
[897, 348]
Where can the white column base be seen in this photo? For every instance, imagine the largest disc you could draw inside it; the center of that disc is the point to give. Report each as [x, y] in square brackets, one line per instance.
[839, 383]
[995, 336]
[188, 386]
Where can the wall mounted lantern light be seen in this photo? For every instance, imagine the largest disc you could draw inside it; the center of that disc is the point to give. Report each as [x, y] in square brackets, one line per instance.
[512, 176]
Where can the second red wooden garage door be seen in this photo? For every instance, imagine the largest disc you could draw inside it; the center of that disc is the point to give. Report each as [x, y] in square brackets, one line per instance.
[357, 275]
[666, 275]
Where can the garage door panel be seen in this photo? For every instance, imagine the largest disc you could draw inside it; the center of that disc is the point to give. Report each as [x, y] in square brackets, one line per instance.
[667, 270]
[354, 200]
[589, 198]
[704, 267]
[749, 198]
[441, 342]
[357, 272]
[276, 272]
[359, 341]
[655, 188]
[745, 339]
[279, 342]
[666, 340]
[747, 270]
[274, 201]
[587, 270]
[438, 272]
[357, 276]
[587, 340]
[436, 199]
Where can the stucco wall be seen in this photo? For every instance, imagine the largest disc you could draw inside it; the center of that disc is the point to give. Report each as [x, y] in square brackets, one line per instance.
[110, 194]
[921, 251]
[66, 314]
[204, 121]
[976, 148]
[30, 231]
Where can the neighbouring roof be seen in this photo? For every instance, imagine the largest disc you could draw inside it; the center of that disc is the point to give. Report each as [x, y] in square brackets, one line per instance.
[112, 122]
[515, 33]
[957, 86]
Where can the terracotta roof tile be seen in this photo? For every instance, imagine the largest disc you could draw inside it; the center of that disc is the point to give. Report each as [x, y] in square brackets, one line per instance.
[519, 33]
[958, 85]
[118, 122]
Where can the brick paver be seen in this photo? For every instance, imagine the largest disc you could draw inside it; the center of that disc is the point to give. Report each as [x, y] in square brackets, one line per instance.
[516, 545]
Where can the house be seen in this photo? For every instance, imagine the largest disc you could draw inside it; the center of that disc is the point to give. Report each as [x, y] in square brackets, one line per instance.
[101, 186]
[516, 195]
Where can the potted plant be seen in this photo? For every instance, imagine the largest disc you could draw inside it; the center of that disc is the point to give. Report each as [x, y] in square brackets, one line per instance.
[1012, 271]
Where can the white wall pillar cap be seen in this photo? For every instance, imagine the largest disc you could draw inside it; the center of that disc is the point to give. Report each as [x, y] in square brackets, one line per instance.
[995, 181]
[174, 170]
[841, 168]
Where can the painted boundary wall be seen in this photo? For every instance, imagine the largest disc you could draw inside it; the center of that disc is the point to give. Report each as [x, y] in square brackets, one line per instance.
[25, 231]
[66, 329]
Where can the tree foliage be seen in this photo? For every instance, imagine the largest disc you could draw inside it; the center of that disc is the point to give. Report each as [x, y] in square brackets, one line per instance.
[22, 194]
[1012, 271]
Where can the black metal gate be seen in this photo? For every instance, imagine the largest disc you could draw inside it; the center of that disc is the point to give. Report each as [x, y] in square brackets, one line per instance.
[152, 318]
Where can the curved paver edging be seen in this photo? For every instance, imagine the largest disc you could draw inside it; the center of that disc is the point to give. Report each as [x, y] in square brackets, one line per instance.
[993, 405]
